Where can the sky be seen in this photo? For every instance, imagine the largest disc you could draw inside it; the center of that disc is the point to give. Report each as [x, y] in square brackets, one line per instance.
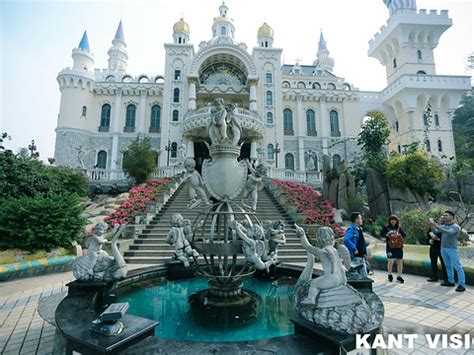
[37, 37]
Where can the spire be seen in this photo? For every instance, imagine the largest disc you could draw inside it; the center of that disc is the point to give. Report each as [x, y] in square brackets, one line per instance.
[322, 42]
[84, 43]
[119, 34]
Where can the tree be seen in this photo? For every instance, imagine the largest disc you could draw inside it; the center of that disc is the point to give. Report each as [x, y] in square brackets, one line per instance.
[139, 159]
[463, 127]
[373, 139]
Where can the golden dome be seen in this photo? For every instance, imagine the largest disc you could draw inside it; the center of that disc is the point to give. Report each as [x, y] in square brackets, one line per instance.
[221, 19]
[265, 31]
[181, 26]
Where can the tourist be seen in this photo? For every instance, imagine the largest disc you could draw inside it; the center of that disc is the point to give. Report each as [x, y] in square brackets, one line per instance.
[394, 236]
[449, 249]
[354, 241]
[434, 240]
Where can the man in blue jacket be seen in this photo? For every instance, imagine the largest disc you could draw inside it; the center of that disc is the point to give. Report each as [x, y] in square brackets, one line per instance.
[354, 241]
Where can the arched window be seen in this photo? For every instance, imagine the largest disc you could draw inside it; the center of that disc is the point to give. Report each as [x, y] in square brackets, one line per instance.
[175, 117]
[102, 159]
[286, 85]
[155, 118]
[336, 160]
[105, 116]
[317, 86]
[310, 123]
[270, 152]
[269, 98]
[331, 86]
[176, 95]
[288, 122]
[418, 55]
[394, 62]
[269, 118]
[268, 78]
[289, 161]
[425, 119]
[428, 145]
[334, 122]
[436, 117]
[440, 145]
[301, 85]
[346, 87]
[84, 111]
[397, 126]
[174, 150]
[421, 72]
[399, 149]
[130, 118]
[223, 31]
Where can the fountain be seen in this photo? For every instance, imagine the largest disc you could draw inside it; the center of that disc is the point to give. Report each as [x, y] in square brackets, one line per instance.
[225, 282]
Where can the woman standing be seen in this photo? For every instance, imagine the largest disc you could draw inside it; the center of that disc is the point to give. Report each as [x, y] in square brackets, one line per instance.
[394, 236]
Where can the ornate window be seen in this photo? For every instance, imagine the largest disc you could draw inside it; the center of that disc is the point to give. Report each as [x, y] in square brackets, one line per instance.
[130, 118]
[301, 85]
[289, 161]
[334, 122]
[223, 31]
[177, 74]
[176, 95]
[336, 160]
[288, 122]
[394, 62]
[268, 78]
[84, 111]
[270, 152]
[105, 115]
[440, 145]
[269, 98]
[223, 74]
[175, 116]
[425, 120]
[397, 126]
[428, 145]
[331, 86]
[421, 72]
[317, 86]
[286, 85]
[436, 118]
[310, 123]
[269, 118]
[174, 150]
[102, 159]
[155, 118]
[419, 56]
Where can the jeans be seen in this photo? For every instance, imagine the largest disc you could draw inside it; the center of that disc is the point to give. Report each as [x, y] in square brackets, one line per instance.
[357, 261]
[435, 253]
[451, 260]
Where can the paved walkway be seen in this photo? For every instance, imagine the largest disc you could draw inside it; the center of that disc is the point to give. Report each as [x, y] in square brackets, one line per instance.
[414, 307]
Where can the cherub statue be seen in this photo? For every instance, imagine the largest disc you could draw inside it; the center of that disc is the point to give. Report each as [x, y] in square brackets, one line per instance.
[187, 229]
[182, 153]
[196, 188]
[253, 246]
[176, 236]
[275, 234]
[334, 271]
[254, 183]
[217, 128]
[233, 126]
[81, 153]
[97, 265]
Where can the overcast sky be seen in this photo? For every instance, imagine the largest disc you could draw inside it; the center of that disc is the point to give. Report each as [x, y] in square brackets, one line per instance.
[37, 37]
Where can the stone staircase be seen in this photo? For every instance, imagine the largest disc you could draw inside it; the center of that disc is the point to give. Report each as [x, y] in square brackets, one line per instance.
[150, 246]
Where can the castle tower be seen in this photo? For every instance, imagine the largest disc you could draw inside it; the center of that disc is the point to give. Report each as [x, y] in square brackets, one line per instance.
[117, 54]
[181, 32]
[82, 55]
[405, 44]
[223, 25]
[265, 36]
[324, 61]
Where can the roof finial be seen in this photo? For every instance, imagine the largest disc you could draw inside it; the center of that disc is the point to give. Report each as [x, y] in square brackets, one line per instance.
[84, 43]
[119, 33]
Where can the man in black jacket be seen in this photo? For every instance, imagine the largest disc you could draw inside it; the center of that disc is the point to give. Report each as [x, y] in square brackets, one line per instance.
[434, 240]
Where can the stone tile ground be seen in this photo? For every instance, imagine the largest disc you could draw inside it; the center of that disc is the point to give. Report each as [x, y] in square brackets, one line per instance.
[414, 307]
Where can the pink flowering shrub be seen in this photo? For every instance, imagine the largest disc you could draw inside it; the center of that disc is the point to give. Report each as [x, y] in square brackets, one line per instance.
[136, 202]
[308, 201]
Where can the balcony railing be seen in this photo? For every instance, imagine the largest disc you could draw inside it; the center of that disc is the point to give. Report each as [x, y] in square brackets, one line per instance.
[154, 130]
[313, 177]
[289, 132]
[128, 129]
[104, 128]
[335, 134]
[312, 133]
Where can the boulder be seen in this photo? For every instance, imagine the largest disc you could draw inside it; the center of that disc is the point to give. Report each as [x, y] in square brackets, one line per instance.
[377, 194]
[96, 219]
[333, 189]
[401, 199]
[342, 200]
[339, 215]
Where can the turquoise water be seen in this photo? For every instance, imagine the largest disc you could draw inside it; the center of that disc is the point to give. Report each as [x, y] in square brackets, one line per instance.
[167, 302]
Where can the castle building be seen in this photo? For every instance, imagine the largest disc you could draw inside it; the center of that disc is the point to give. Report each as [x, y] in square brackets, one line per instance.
[295, 112]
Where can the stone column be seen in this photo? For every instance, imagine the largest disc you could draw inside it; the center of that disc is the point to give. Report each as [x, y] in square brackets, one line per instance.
[117, 120]
[190, 149]
[302, 165]
[300, 117]
[141, 113]
[253, 96]
[253, 150]
[324, 124]
[192, 95]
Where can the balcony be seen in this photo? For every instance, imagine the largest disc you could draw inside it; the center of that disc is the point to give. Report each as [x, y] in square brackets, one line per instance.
[195, 123]
[129, 129]
[311, 133]
[104, 128]
[289, 132]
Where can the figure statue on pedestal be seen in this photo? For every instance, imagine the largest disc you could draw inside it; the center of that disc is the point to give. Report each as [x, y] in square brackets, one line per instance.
[275, 234]
[260, 155]
[176, 236]
[217, 128]
[254, 183]
[196, 187]
[81, 153]
[97, 265]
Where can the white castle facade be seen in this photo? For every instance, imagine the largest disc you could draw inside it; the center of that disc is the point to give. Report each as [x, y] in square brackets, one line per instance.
[296, 113]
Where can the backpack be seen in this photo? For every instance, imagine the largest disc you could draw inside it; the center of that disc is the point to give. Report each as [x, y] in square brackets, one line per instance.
[395, 241]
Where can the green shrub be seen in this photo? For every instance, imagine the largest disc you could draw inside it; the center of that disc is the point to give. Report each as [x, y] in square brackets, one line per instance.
[64, 179]
[139, 160]
[376, 226]
[416, 171]
[415, 223]
[40, 222]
